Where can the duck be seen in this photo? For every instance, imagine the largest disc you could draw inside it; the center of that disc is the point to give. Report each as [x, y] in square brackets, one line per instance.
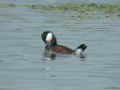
[50, 40]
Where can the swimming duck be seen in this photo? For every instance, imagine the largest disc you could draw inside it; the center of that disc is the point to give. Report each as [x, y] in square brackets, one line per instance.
[49, 39]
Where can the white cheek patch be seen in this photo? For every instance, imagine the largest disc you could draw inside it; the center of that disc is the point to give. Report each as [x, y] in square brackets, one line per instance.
[49, 37]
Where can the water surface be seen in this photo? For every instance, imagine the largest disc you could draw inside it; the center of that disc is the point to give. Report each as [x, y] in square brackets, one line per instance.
[24, 67]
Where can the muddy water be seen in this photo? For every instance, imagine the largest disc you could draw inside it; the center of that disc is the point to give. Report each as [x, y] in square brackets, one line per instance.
[24, 67]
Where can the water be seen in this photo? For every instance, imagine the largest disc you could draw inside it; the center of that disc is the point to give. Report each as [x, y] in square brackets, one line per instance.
[24, 67]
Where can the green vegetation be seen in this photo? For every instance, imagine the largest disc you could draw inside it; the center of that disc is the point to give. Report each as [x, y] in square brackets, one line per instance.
[12, 16]
[81, 7]
[113, 87]
[83, 10]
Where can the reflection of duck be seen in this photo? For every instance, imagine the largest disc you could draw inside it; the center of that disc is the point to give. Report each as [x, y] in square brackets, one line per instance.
[51, 44]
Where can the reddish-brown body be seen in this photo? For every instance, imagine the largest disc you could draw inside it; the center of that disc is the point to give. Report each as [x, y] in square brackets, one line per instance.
[61, 49]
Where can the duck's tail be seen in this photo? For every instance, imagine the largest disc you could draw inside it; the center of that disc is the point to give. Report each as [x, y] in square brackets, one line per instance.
[80, 49]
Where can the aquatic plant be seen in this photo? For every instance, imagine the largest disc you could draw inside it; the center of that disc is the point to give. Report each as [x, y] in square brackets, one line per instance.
[82, 9]
[12, 16]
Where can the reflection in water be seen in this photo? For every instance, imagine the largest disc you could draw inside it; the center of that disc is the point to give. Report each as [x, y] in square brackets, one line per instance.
[49, 53]
[52, 56]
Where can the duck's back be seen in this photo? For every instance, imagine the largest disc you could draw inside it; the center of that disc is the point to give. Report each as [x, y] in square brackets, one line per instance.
[61, 49]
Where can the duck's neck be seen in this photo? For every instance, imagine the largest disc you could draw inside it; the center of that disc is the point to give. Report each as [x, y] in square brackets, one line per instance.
[54, 42]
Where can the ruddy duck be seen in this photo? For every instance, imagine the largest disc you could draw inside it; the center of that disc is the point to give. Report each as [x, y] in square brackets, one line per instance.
[51, 44]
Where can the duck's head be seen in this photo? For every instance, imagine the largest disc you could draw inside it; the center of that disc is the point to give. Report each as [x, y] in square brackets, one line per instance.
[49, 38]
